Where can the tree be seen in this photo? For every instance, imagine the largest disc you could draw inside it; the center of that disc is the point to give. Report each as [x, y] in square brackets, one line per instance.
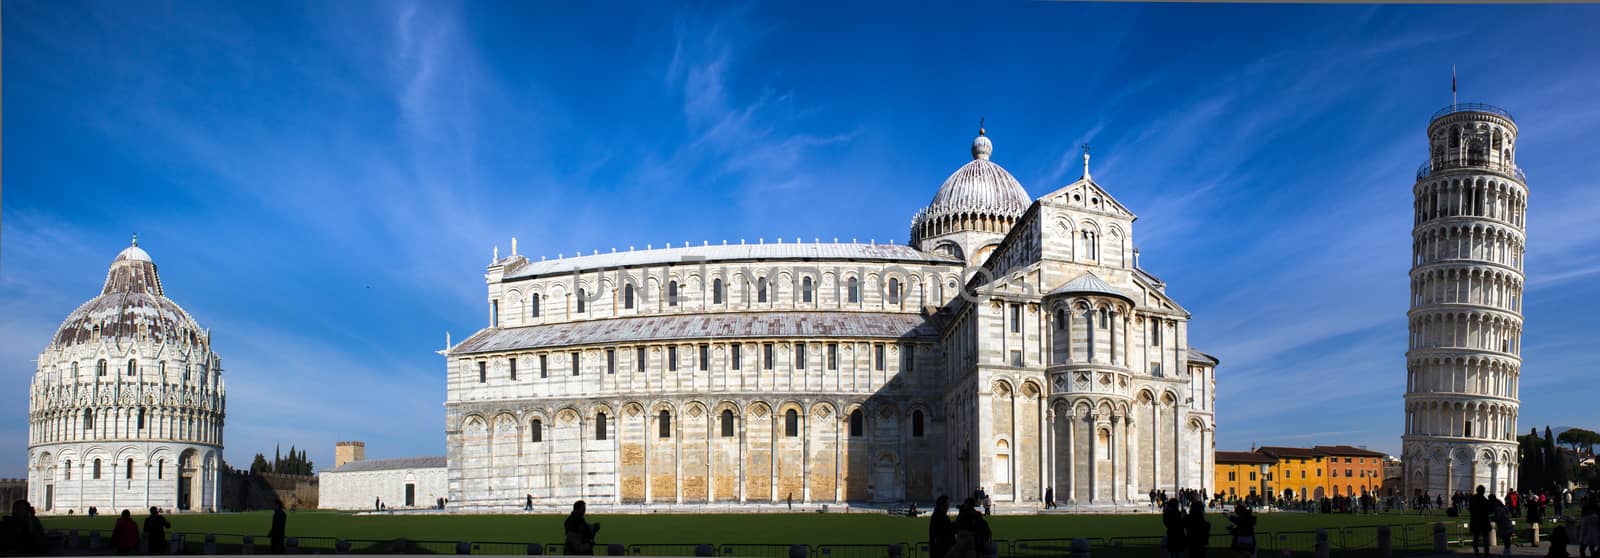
[1555, 465]
[260, 465]
[1578, 438]
[1530, 461]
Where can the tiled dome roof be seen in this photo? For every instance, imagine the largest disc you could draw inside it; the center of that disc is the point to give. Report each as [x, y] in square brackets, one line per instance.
[131, 305]
[979, 187]
[1089, 283]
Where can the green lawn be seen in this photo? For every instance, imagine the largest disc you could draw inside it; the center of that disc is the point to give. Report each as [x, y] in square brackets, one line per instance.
[719, 529]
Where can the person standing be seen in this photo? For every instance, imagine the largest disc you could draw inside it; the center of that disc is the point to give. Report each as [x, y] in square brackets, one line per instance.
[527, 505]
[1172, 519]
[125, 536]
[1197, 530]
[941, 534]
[1478, 521]
[1502, 525]
[580, 533]
[279, 530]
[1244, 531]
[155, 531]
[1589, 531]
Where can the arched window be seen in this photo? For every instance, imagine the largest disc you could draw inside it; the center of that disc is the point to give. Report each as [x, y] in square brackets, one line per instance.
[858, 424]
[894, 291]
[96, 469]
[727, 423]
[161, 469]
[1061, 320]
[68, 470]
[916, 424]
[627, 295]
[533, 306]
[761, 289]
[161, 369]
[128, 473]
[88, 419]
[1002, 462]
[853, 290]
[133, 367]
[805, 289]
[141, 419]
[672, 293]
[582, 296]
[74, 371]
[716, 291]
[791, 423]
[1103, 444]
[100, 368]
[536, 430]
[600, 426]
[664, 424]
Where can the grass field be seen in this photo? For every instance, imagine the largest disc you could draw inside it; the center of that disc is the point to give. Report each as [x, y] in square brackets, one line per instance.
[718, 529]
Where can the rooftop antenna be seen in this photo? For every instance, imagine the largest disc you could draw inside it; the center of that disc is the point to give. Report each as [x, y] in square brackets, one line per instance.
[980, 125]
[136, 239]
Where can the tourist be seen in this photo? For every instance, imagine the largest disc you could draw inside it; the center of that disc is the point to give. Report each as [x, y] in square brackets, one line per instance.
[973, 536]
[377, 504]
[1535, 517]
[1197, 530]
[526, 506]
[1049, 498]
[279, 527]
[1242, 523]
[155, 531]
[125, 536]
[1502, 525]
[580, 533]
[1478, 522]
[1558, 542]
[1172, 518]
[20, 532]
[941, 534]
[790, 501]
[1589, 530]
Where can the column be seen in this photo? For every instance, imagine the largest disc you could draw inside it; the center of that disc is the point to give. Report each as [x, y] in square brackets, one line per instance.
[1094, 461]
[1072, 454]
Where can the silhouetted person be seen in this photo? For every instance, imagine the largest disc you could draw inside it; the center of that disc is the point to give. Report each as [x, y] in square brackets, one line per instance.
[377, 504]
[1049, 498]
[972, 531]
[125, 536]
[790, 500]
[155, 531]
[1478, 510]
[1243, 527]
[20, 532]
[1172, 519]
[941, 534]
[1502, 523]
[1197, 530]
[279, 527]
[580, 533]
[1558, 542]
[528, 506]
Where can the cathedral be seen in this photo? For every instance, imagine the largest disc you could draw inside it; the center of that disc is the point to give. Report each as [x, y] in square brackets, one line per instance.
[1013, 345]
[126, 406]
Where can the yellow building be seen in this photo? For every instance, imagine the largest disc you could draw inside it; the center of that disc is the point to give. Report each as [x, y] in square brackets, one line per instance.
[1297, 473]
[1241, 473]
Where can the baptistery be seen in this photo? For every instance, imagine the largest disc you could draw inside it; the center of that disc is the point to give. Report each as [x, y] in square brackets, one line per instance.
[1012, 346]
[127, 404]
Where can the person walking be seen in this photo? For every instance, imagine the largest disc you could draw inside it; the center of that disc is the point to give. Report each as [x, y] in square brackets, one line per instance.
[279, 530]
[527, 505]
[580, 533]
[1243, 526]
[1197, 530]
[1172, 519]
[125, 536]
[1502, 525]
[1478, 522]
[1049, 498]
[941, 534]
[1589, 531]
[155, 531]
[973, 536]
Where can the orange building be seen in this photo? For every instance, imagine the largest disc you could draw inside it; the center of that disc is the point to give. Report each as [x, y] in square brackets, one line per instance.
[1297, 473]
[1352, 471]
[1241, 473]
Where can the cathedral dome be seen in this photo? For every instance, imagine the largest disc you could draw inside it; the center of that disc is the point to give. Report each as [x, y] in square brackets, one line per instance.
[131, 306]
[978, 188]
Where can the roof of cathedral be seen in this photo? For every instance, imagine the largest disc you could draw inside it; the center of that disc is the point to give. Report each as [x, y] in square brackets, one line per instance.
[1092, 284]
[132, 304]
[732, 252]
[978, 187]
[1197, 356]
[698, 326]
[429, 462]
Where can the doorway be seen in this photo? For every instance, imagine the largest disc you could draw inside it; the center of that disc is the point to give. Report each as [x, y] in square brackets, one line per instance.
[411, 495]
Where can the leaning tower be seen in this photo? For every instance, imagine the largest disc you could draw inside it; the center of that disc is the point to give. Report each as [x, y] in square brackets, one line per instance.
[1464, 357]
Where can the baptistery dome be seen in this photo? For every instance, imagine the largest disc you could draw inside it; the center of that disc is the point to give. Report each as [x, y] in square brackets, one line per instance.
[126, 407]
[980, 197]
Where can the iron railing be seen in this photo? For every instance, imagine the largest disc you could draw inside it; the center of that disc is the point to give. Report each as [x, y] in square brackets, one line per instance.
[1472, 107]
[1428, 167]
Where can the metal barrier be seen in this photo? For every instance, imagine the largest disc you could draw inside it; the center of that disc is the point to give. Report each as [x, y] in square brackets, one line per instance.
[500, 547]
[1131, 547]
[1291, 543]
[663, 549]
[1045, 547]
[862, 550]
[759, 550]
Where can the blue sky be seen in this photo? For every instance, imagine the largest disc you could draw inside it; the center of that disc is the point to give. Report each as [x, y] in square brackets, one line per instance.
[323, 182]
